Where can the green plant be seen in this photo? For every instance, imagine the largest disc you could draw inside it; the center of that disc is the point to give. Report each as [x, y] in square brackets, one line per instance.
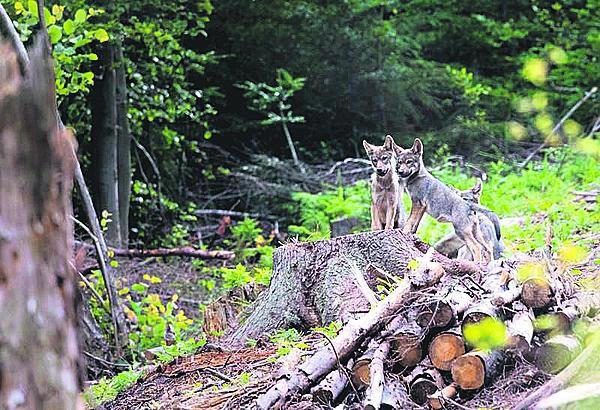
[318, 210]
[487, 335]
[272, 102]
[70, 31]
[331, 330]
[286, 340]
[151, 318]
[107, 389]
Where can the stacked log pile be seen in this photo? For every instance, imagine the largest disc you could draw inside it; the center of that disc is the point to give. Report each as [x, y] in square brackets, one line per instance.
[409, 350]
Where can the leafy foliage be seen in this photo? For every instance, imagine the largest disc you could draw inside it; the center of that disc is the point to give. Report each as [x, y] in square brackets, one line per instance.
[71, 33]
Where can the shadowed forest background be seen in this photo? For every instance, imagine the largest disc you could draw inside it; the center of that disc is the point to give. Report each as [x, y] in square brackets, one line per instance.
[237, 125]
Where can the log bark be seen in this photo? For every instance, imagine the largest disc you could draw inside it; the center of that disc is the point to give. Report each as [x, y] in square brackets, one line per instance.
[557, 352]
[395, 396]
[330, 388]
[406, 343]
[472, 370]
[312, 282]
[439, 399]
[445, 348]
[39, 351]
[374, 393]
[520, 332]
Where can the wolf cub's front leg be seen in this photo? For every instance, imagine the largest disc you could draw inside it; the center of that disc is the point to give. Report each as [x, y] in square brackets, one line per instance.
[417, 211]
[375, 222]
[390, 214]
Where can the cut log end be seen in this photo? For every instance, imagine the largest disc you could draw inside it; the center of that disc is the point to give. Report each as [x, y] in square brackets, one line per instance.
[468, 372]
[536, 293]
[444, 349]
[438, 314]
[361, 376]
[421, 388]
[407, 350]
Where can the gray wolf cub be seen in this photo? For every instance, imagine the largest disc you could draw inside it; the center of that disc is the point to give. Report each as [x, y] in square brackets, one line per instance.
[489, 224]
[386, 191]
[440, 201]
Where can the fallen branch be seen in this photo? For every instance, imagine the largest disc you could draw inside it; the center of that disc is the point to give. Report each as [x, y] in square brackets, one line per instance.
[455, 267]
[374, 393]
[181, 251]
[224, 212]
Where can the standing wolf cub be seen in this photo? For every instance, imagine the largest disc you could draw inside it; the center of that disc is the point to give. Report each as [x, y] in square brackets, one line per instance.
[387, 211]
[440, 201]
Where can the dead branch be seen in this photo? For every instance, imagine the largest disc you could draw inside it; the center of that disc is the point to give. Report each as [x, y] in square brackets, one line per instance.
[587, 95]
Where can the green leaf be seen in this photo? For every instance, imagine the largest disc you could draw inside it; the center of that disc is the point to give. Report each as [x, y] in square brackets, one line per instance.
[138, 287]
[69, 27]
[55, 34]
[93, 57]
[80, 16]
[487, 335]
[32, 6]
[101, 35]
[50, 20]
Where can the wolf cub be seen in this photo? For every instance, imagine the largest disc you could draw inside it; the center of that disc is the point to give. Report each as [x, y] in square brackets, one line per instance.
[489, 224]
[430, 195]
[387, 211]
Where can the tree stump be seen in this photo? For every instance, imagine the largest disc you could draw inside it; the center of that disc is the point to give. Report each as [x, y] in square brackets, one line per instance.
[39, 345]
[313, 284]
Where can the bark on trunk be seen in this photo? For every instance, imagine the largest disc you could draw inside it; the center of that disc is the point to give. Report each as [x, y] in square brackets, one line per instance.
[556, 354]
[123, 144]
[39, 349]
[313, 284]
[103, 102]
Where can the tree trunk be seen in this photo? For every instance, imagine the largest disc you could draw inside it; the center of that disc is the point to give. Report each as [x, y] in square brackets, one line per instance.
[313, 284]
[123, 145]
[39, 347]
[103, 100]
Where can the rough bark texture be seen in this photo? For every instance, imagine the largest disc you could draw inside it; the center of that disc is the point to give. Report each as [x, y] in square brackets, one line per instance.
[104, 144]
[38, 350]
[123, 144]
[313, 284]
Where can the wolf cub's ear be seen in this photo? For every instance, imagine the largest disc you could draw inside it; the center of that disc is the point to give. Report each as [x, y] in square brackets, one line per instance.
[476, 190]
[417, 147]
[368, 147]
[389, 143]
